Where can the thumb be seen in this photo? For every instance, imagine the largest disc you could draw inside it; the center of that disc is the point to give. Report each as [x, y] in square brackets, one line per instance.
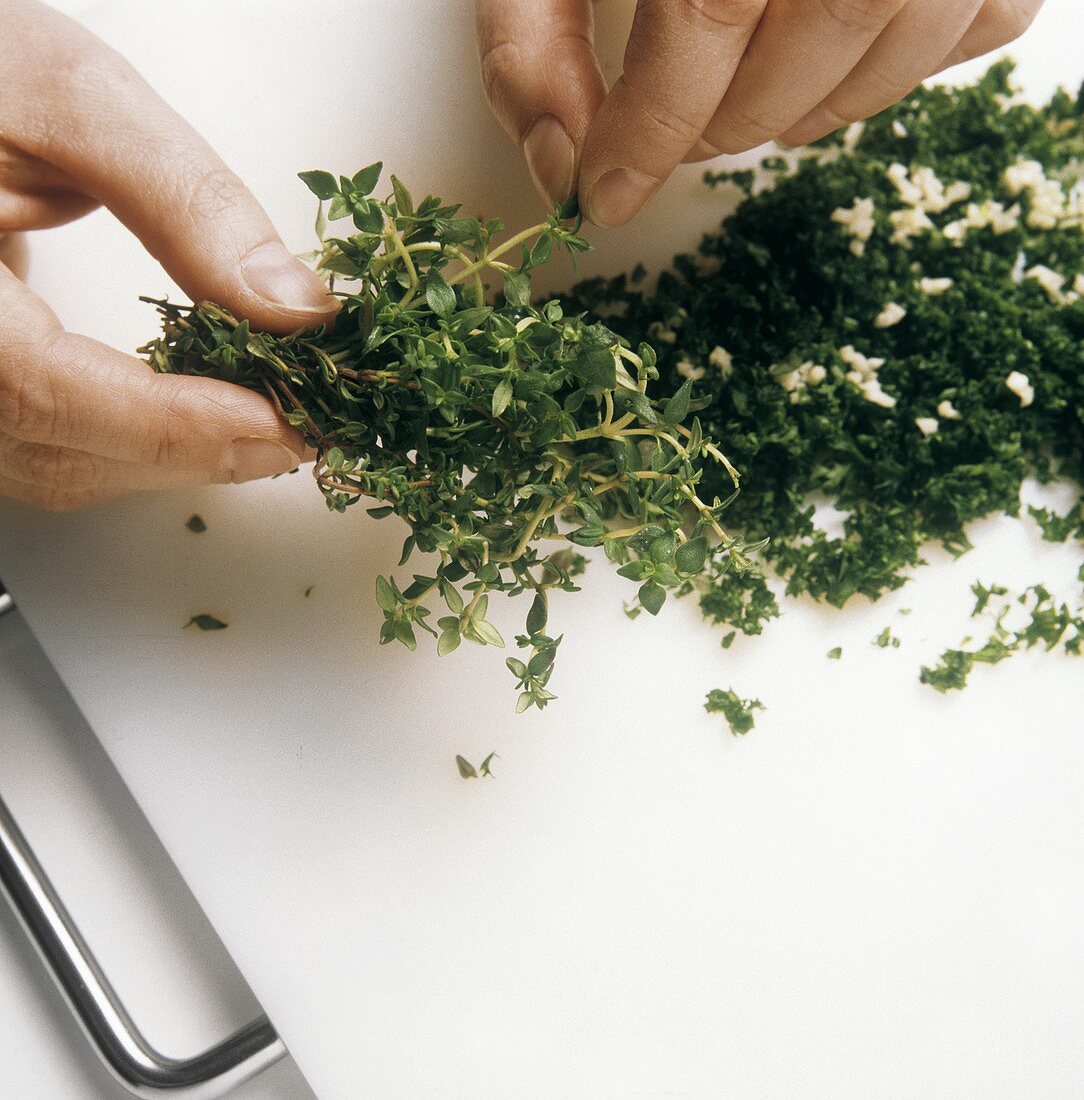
[543, 81]
[127, 148]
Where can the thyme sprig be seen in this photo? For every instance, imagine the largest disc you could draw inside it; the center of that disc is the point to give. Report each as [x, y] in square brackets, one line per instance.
[507, 434]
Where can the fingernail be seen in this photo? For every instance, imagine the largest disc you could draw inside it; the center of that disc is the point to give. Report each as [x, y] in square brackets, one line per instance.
[284, 280]
[249, 459]
[551, 158]
[618, 195]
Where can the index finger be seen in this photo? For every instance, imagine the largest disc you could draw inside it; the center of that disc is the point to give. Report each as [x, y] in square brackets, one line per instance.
[680, 59]
[69, 391]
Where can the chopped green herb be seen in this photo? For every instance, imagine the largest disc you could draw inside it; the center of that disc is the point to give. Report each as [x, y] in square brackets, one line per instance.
[484, 766]
[308, 591]
[930, 279]
[886, 638]
[466, 769]
[196, 524]
[206, 622]
[835, 653]
[737, 711]
[1049, 623]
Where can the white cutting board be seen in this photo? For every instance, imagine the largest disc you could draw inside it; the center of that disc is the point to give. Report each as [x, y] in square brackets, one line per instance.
[879, 891]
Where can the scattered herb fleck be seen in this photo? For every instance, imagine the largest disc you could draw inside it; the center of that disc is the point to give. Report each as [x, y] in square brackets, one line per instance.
[737, 711]
[835, 653]
[466, 769]
[206, 622]
[196, 524]
[886, 638]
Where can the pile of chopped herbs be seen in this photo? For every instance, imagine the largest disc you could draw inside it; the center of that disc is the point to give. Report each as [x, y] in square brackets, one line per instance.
[891, 323]
[506, 433]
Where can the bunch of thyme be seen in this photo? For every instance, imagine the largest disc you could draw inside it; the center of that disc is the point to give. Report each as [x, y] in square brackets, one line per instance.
[507, 434]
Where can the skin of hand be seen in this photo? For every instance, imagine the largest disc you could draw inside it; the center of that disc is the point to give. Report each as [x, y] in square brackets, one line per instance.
[705, 77]
[79, 421]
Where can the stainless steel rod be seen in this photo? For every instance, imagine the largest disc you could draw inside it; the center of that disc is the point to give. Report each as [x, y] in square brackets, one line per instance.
[106, 1023]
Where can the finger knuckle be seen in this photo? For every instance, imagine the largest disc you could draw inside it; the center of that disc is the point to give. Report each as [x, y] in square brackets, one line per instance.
[736, 127]
[659, 119]
[29, 408]
[211, 192]
[63, 470]
[720, 15]
[500, 62]
[860, 15]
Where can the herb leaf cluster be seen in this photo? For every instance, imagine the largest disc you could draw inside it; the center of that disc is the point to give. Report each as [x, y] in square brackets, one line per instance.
[508, 434]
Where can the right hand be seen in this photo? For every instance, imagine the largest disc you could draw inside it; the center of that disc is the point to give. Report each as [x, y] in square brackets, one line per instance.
[79, 421]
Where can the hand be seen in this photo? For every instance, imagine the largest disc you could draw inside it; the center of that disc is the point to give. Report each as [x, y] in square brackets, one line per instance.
[79, 421]
[704, 77]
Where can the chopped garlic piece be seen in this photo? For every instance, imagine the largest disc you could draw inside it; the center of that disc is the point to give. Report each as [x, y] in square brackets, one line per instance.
[908, 223]
[927, 425]
[948, 411]
[863, 374]
[722, 361]
[857, 222]
[1049, 280]
[1020, 385]
[934, 287]
[891, 314]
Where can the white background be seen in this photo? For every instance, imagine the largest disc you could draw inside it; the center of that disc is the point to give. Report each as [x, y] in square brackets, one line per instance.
[878, 891]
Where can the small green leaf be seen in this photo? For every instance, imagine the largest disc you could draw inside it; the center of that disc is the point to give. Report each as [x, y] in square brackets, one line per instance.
[691, 556]
[517, 290]
[835, 653]
[439, 295]
[385, 594]
[595, 367]
[502, 396]
[677, 408]
[484, 767]
[652, 597]
[537, 616]
[466, 768]
[206, 622]
[322, 184]
[448, 642]
[366, 179]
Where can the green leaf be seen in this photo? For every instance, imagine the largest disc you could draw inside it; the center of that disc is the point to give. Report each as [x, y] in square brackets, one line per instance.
[466, 768]
[366, 179]
[322, 184]
[404, 633]
[484, 767]
[489, 634]
[537, 616]
[595, 367]
[517, 290]
[652, 597]
[404, 204]
[385, 594]
[691, 556]
[677, 408]
[835, 653]
[448, 642]
[206, 622]
[502, 396]
[637, 570]
[439, 295]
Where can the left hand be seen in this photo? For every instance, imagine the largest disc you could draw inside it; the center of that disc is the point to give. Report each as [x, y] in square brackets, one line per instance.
[704, 77]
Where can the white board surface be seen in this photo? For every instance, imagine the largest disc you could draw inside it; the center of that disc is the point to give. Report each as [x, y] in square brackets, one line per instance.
[878, 891]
